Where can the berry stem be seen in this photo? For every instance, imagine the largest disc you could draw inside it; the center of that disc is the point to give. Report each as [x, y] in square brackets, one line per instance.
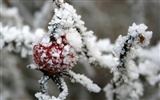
[57, 81]
[43, 83]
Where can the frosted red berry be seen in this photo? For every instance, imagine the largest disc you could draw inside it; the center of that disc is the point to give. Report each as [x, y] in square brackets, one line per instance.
[55, 57]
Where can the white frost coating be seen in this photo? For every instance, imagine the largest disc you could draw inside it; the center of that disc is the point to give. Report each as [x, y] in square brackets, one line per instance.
[41, 96]
[117, 49]
[64, 93]
[132, 70]
[138, 90]
[59, 41]
[153, 53]
[109, 91]
[134, 39]
[45, 39]
[104, 45]
[137, 34]
[74, 39]
[66, 60]
[65, 22]
[151, 71]
[22, 37]
[140, 29]
[150, 67]
[66, 48]
[56, 54]
[125, 81]
[95, 50]
[84, 81]
[108, 61]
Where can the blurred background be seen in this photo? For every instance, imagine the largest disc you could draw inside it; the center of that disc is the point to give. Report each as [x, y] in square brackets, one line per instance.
[107, 18]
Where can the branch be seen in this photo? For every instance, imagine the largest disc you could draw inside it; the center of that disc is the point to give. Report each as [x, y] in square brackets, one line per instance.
[62, 95]
[18, 39]
[126, 73]
[84, 81]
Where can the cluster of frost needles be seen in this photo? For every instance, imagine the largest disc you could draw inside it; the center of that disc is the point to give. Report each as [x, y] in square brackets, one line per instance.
[67, 41]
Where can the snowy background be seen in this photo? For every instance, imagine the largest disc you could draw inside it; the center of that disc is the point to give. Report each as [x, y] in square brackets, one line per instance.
[107, 18]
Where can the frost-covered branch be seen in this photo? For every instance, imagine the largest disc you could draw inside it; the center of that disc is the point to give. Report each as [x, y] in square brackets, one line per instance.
[18, 39]
[42, 96]
[126, 73]
[84, 81]
[62, 95]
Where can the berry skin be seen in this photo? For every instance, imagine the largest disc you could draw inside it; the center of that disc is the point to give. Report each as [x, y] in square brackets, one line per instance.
[56, 57]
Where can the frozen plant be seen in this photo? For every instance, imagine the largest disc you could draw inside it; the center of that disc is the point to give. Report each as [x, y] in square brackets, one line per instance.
[57, 51]
[18, 39]
[67, 41]
[149, 65]
[125, 84]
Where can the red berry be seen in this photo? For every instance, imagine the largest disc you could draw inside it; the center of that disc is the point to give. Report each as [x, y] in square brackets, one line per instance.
[55, 57]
